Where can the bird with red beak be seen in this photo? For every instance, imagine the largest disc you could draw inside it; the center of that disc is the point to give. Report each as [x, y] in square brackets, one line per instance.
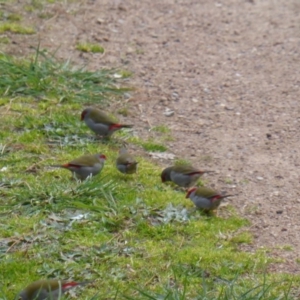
[205, 198]
[182, 175]
[85, 166]
[100, 123]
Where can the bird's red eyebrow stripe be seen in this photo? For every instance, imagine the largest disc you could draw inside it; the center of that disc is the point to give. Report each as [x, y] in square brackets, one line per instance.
[70, 284]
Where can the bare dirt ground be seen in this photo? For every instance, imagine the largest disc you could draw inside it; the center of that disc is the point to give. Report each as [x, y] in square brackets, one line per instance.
[230, 71]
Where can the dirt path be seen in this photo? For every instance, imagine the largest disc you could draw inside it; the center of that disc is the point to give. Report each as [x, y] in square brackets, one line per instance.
[230, 72]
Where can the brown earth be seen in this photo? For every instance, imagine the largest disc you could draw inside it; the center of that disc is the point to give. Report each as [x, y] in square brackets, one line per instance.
[229, 70]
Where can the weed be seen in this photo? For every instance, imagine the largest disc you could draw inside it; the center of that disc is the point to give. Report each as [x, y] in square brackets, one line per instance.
[87, 47]
[16, 28]
[161, 129]
[47, 79]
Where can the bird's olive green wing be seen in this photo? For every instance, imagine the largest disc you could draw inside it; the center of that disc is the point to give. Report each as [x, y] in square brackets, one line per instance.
[185, 169]
[85, 160]
[206, 192]
[100, 117]
[125, 159]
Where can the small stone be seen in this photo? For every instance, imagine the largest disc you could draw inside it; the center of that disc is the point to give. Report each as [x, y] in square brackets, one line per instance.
[279, 212]
[130, 50]
[194, 100]
[127, 95]
[162, 155]
[259, 178]
[168, 112]
[269, 136]
[100, 21]
[116, 75]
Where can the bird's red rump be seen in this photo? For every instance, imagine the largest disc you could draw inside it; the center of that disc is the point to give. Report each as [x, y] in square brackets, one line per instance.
[115, 126]
[102, 156]
[195, 173]
[69, 284]
[216, 197]
[190, 191]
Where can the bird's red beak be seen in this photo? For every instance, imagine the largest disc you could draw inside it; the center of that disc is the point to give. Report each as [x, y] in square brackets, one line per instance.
[82, 115]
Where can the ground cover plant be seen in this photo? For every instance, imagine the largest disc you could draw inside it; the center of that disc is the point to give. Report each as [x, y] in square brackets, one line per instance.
[137, 238]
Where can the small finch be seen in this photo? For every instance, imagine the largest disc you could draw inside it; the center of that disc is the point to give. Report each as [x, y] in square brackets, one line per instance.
[84, 166]
[100, 123]
[125, 162]
[205, 198]
[182, 175]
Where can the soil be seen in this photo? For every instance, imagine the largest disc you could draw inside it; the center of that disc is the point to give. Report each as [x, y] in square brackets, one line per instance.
[229, 70]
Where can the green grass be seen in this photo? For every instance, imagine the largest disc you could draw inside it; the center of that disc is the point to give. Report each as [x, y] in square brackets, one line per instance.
[15, 28]
[4, 40]
[138, 238]
[229, 290]
[46, 79]
[161, 129]
[40, 5]
[149, 145]
[88, 47]
[14, 17]
[182, 161]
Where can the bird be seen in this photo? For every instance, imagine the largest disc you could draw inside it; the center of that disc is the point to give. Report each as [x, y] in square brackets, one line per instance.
[100, 123]
[125, 162]
[205, 198]
[182, 175]
[51, 289]
[85, 166]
